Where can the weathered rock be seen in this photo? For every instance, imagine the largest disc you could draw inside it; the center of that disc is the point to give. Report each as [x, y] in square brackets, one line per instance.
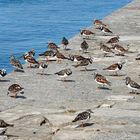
[32, 119]
[30, 126]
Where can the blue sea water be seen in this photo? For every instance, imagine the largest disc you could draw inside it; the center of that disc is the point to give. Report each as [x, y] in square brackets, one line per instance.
[27, 24]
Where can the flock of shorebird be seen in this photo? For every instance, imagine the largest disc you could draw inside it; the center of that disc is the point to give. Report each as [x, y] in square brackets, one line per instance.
[53, 52]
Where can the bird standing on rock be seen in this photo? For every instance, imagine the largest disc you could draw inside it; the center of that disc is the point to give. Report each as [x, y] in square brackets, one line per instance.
[52, 46]
[64, 73]
[2, 73]
[42, 66]
[84, 63]
[83, 116]
[59, 57]
[14, 89]
[119, 49]
[30, 60]
[132, 85]
[76, 58]
[106, 31]
[65, 43]
[84, 46]
[101, 80]
[99, 23]
[113, 40]
[114, 67]
[86, 34]
[16, 63]
[105, 49]
[49, 54]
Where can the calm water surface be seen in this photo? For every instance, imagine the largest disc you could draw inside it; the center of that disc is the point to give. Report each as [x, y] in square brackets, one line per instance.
[27, 24]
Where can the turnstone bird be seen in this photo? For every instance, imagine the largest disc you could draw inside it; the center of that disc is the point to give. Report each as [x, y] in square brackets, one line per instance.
[30, 60]
[114, 67]
[64, 73]
[84, 46]
[14, 89]
[52, 46]
[118, 48]
[49, 54]
[4, 124]
[2, 73]
[105, 49]
[42, 66]
[99, 23]
[16, 63]
[86, 33]
[30, 53]
[65, 43]
[84, 63]
[106, 31]
[113, 40]
[83, 116]
[101, 80]
[131, 84]
[76, 58]
[59, 57]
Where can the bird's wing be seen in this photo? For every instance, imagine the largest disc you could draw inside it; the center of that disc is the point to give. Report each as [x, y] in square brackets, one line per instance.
[32, 60]
[107, 30]
[81, 116]
[134, 85]
[60, 72]
[102, 79]
[120, 48]
[112, 67]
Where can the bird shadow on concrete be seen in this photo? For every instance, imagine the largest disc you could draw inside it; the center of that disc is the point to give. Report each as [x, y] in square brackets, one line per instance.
[108, 56]
[20, 97]
[107, 35]
[104, 88]
[120, 55]
[86, 52]
[47, 74]
[84, 125]
[4, 80]
[17, 70]
[135, 93]
[66, 80]
[115, 75]
[132, 51]
[67, 49]
[88, 70]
